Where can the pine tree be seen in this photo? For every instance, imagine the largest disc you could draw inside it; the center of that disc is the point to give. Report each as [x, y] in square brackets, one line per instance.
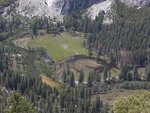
[97, 105]
[64, 76]
[136, 74]
[98, 78]
[90, 79]
[19, 104]
[81, 76]
[47, 28]
[72, 80]
[148, 73]
[130, 77]
[105, 70]
[34, 29]
[123, 72]
[68, 69]
[98, 54]
[90, 53]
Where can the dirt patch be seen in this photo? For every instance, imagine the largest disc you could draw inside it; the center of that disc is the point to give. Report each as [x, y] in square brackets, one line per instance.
[78, 63]
[51, 82]
[22, 42]
[65, 46]
[88, 62]
[110, 97]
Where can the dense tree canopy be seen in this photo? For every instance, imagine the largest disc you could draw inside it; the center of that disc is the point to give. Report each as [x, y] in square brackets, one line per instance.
[126, 43]
[19, 104]
[139, 103]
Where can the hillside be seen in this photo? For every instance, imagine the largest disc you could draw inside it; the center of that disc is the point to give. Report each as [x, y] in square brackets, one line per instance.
[56, 9]
[74, 56]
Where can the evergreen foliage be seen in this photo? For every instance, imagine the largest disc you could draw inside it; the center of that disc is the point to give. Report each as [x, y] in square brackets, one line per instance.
[138, 103]
[19, 104]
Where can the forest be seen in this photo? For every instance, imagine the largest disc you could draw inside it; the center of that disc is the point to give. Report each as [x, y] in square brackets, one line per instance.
[96, 60]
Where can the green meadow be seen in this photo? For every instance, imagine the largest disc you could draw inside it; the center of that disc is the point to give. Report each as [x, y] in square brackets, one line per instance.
[59, 46]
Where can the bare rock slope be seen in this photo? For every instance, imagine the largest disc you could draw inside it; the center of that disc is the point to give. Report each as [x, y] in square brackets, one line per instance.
[48, 8]
[139, 3]
[58, 8]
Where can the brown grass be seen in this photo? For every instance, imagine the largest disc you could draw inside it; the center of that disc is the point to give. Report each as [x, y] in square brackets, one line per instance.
[51, 83]
[109, 97]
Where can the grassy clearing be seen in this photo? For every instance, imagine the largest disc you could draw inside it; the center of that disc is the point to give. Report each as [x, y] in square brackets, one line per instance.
[111, 96]
[51, 82]
[59, 46]
[86, 65]
[22, 42]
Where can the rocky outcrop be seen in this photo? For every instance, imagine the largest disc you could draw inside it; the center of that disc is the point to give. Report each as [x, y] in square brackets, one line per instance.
[76, 5]
[53, 7]
[49, 8]
[58, 8]
[104, 6]
[139, 3]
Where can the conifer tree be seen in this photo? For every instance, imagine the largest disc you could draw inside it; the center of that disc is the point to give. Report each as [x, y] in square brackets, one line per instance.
[19, 104]
[90, 79]
[64, 76]
[147, 73]
[72, 80]
[105, 70]
[123, 72]
[136, 74]
[34, 29]
[81, 76]
[97, 105]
